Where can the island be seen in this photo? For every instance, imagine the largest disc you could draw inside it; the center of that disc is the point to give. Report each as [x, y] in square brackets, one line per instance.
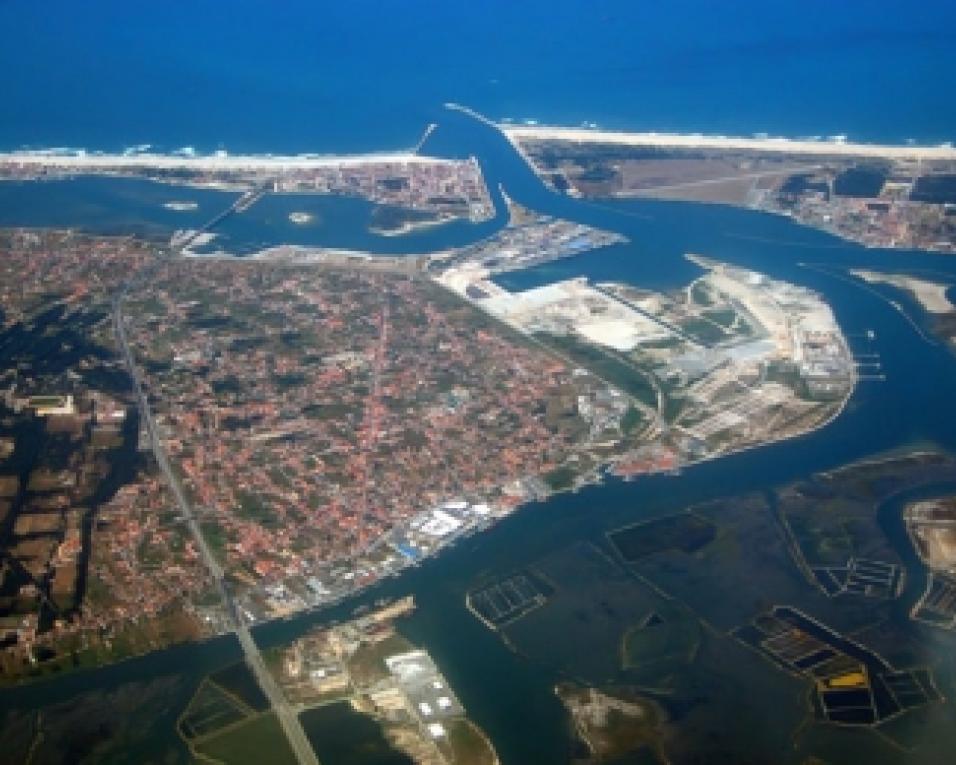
[612, 727]
[301, 218]
[931, 295]
[931, 525]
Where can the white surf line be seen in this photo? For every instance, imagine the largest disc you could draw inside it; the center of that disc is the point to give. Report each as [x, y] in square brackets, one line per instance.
[209, 163]
[842, 148]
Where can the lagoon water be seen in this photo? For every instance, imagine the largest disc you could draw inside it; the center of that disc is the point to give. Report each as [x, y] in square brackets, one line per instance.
[371, 77]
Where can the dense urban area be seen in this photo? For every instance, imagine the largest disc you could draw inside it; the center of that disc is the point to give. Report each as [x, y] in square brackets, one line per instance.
[79, 502]
[332, 420]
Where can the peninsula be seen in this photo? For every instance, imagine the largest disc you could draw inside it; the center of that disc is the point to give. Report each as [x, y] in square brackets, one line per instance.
[878, 195]
[409, 189]
[80, 161]
[365, 669]
[932, 296]
[929, 294]
[931, 525]
[834, 146]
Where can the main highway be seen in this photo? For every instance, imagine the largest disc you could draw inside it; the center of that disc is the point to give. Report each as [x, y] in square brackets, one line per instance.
[285, 714]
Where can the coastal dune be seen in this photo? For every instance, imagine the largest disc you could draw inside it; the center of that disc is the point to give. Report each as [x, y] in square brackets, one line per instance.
[517, 133]
[207, 163]
[932, 296]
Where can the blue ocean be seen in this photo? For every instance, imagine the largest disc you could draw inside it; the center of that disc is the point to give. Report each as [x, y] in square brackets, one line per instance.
[301, 75]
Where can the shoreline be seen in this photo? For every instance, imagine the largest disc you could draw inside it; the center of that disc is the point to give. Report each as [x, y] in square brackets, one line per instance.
[833, 148]
[208, 162]
[516, 133]
[931, 296]
[410, 227]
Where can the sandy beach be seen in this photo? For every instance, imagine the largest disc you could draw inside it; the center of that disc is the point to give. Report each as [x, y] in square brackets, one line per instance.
[517, 133]
[930, 295]
[80, 161]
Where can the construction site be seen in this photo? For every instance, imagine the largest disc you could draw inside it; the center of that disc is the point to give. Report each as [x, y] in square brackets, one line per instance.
[366, 664]
[732, 360]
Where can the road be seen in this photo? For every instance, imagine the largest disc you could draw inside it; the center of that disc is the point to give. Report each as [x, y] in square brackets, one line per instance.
[242, 203]
[645, 191]
[286, 716]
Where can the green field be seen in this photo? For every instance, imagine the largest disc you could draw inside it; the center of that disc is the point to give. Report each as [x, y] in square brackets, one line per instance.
[665, 641]
[468, 746]
[560, 478]
[209, 711]
[606, 365]
[367, 664]
[703, 331]
[257, 741]
[683, 531]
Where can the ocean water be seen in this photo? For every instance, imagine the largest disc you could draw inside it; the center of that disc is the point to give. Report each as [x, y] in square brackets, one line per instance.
[370, 74]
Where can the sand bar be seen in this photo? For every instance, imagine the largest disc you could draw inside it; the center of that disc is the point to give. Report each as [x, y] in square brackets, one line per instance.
[80, 161]
[516, 133]
[930, 295]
